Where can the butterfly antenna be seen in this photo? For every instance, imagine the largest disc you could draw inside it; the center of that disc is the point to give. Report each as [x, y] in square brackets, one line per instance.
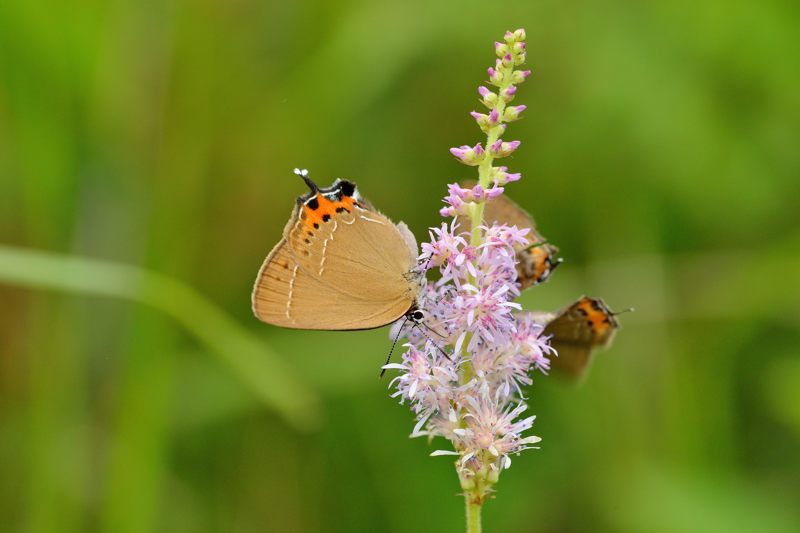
[628, 310]
[426, 326]
[394, 343]
[427, 263]
[303, 173]
[433, 342]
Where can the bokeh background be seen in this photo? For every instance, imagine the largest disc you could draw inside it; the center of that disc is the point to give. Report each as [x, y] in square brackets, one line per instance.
[145, 157]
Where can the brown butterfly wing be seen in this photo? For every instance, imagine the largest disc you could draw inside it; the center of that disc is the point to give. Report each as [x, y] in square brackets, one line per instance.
[350, 269]
[286, 295]
[536, 261]
[576, 331]
[362, 252]
[573, 359]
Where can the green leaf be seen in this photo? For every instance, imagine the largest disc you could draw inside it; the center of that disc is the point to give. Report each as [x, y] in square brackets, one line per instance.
[256, 365]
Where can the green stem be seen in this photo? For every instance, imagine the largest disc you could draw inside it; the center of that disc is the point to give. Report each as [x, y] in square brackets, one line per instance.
[485, 168]
[480, 486]
[473, 514]
[484, 174]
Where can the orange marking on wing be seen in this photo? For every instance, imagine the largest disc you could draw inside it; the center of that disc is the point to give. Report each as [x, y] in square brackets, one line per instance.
[346, 202]
[325, 211]
[325, 207]
[599, 319]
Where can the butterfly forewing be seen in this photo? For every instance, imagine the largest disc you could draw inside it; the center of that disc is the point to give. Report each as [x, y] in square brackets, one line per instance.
[576, 331]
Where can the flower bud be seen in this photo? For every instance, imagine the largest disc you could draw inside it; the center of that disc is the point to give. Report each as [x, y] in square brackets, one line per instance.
[493, 475]
[467, 482]
[509, 37]
[500, 49]
[508, 93]
[458, 195]
[512, 112]
[483, 120]
[503, 149]
[519, 35]
[495, 77]
[520, 59]
[518, 76]
[518, 48]
[488, 98]
[507, 60]
[492, 192]
[501, 176]
[471, 156]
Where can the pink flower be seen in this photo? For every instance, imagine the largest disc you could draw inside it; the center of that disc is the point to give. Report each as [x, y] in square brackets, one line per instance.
[474, 395]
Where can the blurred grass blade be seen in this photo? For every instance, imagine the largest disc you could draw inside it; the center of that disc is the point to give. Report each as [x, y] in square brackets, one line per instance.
[259, 368]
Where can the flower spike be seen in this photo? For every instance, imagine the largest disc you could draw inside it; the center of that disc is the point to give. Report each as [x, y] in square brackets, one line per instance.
[474, 398]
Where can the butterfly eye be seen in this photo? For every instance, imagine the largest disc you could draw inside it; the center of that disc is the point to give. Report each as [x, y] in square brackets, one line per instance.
[418, 316]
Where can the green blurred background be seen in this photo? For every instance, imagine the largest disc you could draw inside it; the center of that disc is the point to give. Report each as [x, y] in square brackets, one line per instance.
[148, 145]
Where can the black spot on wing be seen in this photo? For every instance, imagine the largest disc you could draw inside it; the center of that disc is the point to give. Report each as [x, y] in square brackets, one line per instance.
[339, 189]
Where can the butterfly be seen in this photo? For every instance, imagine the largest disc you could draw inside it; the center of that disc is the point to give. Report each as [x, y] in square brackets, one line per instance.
[340, 265]
[576, 331]
[535, 261]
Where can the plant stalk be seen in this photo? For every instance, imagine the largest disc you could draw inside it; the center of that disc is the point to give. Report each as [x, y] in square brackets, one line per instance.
[473, 513]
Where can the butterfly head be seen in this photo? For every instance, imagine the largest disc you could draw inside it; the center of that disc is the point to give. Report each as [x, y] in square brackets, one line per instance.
[417, 316]
[341, 189]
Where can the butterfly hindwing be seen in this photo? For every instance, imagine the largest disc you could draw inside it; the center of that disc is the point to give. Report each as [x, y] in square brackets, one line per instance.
[286, 295]
[341, 265]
